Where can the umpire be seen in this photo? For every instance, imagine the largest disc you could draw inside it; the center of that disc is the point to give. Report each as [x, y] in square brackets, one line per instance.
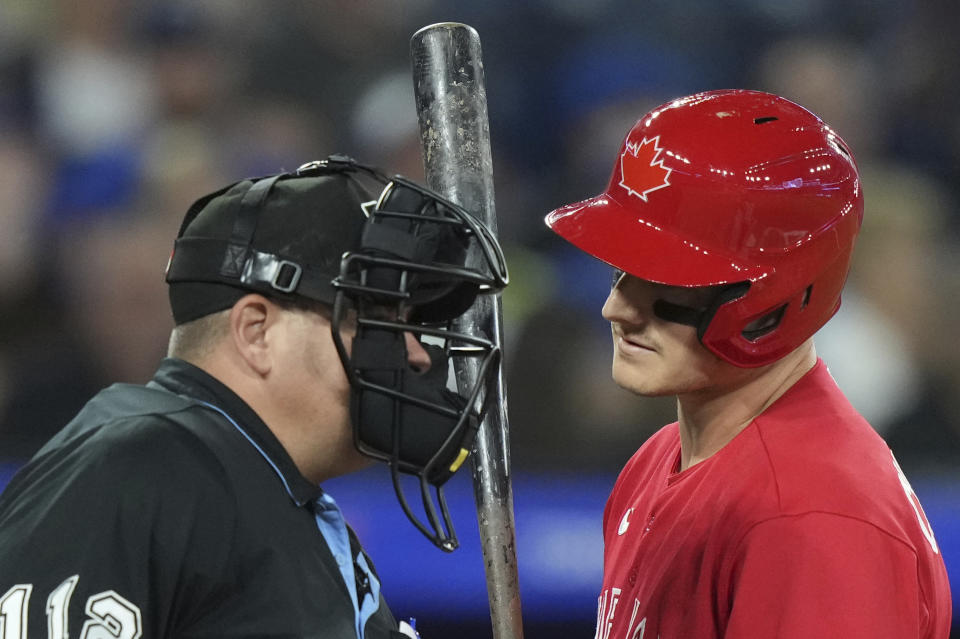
[191, 506]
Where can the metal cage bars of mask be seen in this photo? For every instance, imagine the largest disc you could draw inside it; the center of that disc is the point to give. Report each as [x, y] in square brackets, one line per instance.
[443, 536]
[354, 289]
[490, 248]
[402, 293]
[491, 251]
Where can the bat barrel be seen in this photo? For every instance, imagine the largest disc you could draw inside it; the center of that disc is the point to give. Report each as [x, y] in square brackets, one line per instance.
[451, 104]
[455, 138]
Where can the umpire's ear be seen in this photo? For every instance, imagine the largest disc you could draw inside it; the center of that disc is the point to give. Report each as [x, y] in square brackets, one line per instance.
[253, 319]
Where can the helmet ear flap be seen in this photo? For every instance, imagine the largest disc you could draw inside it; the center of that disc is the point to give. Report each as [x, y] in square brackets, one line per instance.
[769, 322]
[764, 325]
[727, 294]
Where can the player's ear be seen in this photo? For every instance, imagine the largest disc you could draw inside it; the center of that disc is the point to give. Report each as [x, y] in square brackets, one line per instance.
[250, 320]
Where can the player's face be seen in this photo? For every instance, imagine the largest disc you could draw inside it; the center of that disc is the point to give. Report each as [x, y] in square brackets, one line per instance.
[652, 356]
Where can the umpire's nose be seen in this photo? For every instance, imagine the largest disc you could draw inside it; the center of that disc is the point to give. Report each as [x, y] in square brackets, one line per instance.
[417, 356]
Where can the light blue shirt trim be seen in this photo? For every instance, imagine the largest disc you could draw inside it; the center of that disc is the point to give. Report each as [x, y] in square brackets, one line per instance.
[263, 453]
[334, 530]
[371, 601]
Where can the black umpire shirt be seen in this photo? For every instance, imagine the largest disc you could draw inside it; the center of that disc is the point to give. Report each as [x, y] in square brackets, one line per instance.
[171, 510]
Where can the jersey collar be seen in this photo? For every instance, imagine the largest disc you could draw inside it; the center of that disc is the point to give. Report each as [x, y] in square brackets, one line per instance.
[187, 380]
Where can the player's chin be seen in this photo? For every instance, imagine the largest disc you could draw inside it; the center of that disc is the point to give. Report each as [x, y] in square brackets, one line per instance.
[640, 380]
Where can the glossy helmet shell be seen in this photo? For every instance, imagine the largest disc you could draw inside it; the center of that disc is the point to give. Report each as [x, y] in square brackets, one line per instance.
[724, 187]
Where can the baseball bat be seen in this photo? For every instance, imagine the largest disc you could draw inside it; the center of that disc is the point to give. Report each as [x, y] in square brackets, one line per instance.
[451, 103]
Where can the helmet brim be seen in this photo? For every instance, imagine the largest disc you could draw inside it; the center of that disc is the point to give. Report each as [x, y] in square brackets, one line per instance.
[607, 230]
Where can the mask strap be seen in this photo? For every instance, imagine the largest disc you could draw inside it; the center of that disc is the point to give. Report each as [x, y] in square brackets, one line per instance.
[244, 225]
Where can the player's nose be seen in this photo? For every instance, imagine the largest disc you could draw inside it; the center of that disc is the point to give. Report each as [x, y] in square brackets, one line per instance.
[417, 356]
[625, 306]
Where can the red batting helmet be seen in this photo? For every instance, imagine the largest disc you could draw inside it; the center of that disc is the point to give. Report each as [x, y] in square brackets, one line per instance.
[731, 187]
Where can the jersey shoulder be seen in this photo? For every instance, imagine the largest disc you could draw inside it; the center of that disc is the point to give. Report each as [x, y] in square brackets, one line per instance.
[128, 503]
[128, 440]
[822, 456]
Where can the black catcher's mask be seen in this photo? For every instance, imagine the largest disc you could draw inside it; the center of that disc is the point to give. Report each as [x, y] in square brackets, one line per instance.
[421, 262]
[416, 264]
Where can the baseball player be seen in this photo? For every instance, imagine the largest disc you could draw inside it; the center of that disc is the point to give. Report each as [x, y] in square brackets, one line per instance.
[770, 508]
[191, 506]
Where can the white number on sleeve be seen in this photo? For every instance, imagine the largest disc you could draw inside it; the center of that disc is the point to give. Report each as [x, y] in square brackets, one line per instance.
[110, 615]
[917, 508]
[57, 608]
[13, 612]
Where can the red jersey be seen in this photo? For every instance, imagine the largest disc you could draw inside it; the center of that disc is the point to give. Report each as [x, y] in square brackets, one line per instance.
[802, 526]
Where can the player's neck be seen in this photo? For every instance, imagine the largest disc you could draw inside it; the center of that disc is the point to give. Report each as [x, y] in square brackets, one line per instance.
[710, 419]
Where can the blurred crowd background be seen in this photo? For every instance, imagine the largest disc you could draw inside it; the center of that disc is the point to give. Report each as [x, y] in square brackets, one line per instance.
[116, 114]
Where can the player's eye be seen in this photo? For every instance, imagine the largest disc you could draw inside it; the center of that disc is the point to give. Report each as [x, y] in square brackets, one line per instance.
[617, 274]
